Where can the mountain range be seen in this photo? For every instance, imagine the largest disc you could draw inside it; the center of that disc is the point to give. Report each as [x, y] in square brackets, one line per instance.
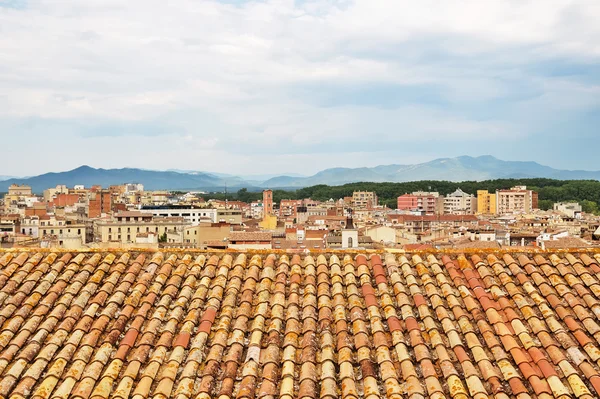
[451, 169]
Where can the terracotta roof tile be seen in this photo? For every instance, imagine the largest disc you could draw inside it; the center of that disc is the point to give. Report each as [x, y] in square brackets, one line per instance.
[185, 326]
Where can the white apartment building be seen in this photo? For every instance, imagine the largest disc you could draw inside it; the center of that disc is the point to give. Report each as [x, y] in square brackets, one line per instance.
[460, 203]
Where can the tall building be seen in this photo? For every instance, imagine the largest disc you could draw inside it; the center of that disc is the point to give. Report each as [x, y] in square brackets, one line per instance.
[486, 202]
[459, 203]
[428, 202]
[15, 199]
[364, 199]
[516, 200]
[100, 202]
[268, 202]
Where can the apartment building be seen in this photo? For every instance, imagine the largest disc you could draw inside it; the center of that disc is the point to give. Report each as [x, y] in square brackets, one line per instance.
[16, 199]
[65, 233]
[289, 208]
[422, 224]
[516, 200]
[459, 203]
[125, 227]
[429, 203]
[230, 216]
[192, 215]
[364, 199]
[199, 236]
[486, 203]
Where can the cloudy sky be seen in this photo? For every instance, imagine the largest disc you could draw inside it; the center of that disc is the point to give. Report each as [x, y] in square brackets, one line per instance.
[278, 86]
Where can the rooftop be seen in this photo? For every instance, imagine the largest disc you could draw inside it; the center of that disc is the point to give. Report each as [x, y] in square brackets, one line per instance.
[201, 325]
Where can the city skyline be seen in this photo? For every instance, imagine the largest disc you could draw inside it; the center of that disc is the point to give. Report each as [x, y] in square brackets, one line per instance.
[295, 87]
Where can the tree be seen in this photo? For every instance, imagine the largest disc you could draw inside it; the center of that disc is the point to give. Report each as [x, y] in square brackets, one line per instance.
[163, 237]
[589, 206]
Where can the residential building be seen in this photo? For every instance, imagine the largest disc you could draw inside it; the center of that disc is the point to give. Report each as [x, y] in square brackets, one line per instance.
[230, 216]
[15, 198]
[427, 223]
[193, 215]
[570, 209]
[62, 232]
[516, 200]
[429, 203]
[256, 210]
[459, 203]
[51, 193]
[133, 188]
[364, 199]
[486, 203]
[288, 208]
[199, 235]
[382, 234]
[30, 226]
[125, 226]
[99, 202]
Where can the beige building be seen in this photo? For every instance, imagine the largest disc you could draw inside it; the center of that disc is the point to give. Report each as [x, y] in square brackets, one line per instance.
[516, 200]
[124, 227]
[459, 203]
[198, 236]
[231, 216]
[364, 199]
[51, 193]
[15, 200]
[61, 232]
[382, 234]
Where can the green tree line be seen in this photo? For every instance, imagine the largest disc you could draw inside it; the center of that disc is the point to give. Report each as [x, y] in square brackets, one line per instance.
[586, 192]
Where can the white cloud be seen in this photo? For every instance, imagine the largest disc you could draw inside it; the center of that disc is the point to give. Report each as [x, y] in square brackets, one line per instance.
[221, 75]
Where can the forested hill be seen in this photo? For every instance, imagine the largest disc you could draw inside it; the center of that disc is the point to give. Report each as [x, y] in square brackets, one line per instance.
[586, 192]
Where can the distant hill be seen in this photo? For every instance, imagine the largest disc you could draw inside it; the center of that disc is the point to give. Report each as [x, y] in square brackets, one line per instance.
[450, 169]
[463, 168]
[151, 180]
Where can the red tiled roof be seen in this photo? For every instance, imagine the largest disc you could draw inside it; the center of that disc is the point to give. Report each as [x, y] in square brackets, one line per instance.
[265, 326]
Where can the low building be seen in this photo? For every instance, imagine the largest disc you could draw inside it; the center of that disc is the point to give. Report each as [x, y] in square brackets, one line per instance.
[200, 235]
[230, 216]
[124, 227]
[192, 215]
[382, 234]
[570, 209]
[421, 224]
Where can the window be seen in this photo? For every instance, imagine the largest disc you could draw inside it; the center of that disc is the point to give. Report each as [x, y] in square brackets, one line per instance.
[79, 231]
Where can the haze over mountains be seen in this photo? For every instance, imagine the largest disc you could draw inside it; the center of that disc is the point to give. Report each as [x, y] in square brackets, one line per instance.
[452, 169]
